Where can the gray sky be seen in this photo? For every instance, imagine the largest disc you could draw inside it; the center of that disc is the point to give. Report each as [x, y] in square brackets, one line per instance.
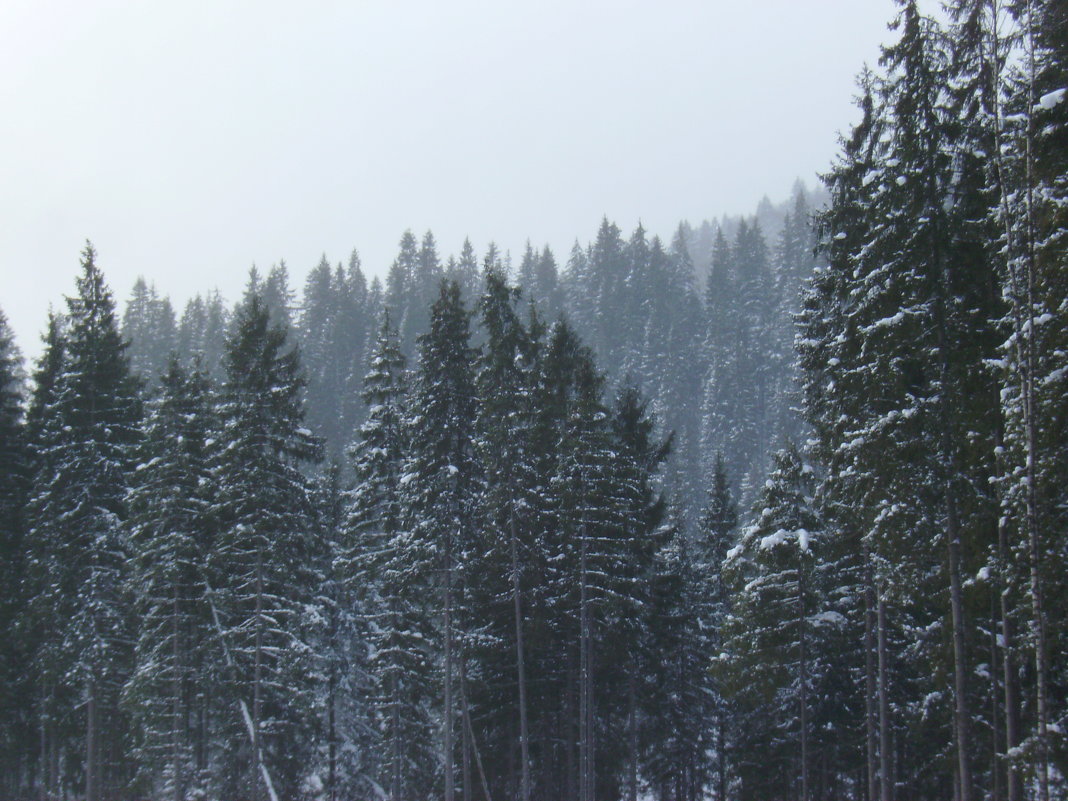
[189, 140]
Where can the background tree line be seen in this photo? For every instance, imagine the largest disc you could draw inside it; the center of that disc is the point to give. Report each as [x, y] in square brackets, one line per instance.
[448, 545]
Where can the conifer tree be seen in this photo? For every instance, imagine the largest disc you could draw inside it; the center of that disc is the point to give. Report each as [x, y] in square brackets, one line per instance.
[15, 682]
[443, 482]
[267, 561]
[86, 425]
[171, 535]
[388, 577]
[772, 663]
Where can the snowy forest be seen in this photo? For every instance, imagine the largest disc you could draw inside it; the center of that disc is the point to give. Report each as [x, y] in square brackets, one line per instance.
[773, 510]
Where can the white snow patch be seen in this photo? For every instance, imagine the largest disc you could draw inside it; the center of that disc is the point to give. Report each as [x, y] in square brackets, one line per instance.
[828, 618]
[1052, 99]
[770, 541]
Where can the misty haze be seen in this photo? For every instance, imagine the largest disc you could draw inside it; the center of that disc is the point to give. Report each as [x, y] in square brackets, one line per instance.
[571, 402]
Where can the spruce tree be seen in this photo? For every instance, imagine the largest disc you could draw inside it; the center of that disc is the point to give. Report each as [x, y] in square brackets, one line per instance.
[388, 578]
[15, 680]
[86, 425]
[171, 536]
[444, 482]
[267, 562]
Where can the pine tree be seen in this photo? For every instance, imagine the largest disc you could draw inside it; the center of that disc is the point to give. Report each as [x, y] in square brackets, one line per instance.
[505, 382]
[150, 328]
[772, 661]
[267, 560]
[15, 681]
[716, 534]
[443, 481]
[171, 535]
[388, 578]
[86, 424]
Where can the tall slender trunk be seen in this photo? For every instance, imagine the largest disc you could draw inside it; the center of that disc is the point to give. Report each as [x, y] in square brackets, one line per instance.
[1024, 330]
[257, 677]
[176, 709]
[584, 678]
[466, 786]
[950, 474]
[465, 731]
[1028, 382]
[524, 747]
[91, 745]
[721, 755]
[869, 676]
[886, 783]
[1010, 681]
[450, 790]
[962, 718]
[996, 772]
[331, 734]
[395, 739]
[801, 612]
[44, 783]
[465, 712]
[632, 735]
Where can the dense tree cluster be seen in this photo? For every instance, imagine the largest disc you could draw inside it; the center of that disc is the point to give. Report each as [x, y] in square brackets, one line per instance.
[899, 588]
[476, 603]
[500, 529]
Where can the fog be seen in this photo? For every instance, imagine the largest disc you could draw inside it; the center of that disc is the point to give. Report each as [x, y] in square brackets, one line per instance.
[189, 141]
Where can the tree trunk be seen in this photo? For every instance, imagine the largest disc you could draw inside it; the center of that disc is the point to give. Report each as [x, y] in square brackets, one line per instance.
[632, 735]
[91, 745]
[257, 677]
[995, 709]
[584, 680]
[1038, 615]
[176, 769]
[450, 792]
[465, 712]
[869, 677]
[962, 717]
[804, 675]
[886, 784]
[524, 748]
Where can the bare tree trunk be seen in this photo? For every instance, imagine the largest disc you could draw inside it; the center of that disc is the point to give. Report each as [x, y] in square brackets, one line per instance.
[632, 735]
[869, 677]
[43, 794]
[995, 708]
[1012, 703]
[1014, 781]
[584, 680]
[91, 745]
[524, 748]
[465, 730]
[176, 709]
[450, 792]
[471, 734]
[331, 733]
[721, 755]
[804, 675]
[257, 677]
[1025, 331]
[886, 784]
[962, 717]
[395, 740]
[1026, 343]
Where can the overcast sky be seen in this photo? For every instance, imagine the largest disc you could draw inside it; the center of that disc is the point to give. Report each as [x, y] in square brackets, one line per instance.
[189, 140]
